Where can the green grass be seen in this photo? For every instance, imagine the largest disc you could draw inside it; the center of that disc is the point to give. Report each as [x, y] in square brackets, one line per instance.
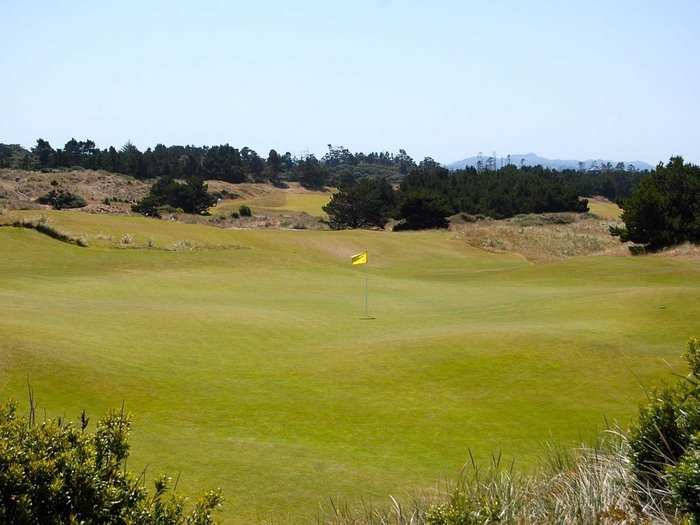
[280, 201]
[605, 209]
[250, 368]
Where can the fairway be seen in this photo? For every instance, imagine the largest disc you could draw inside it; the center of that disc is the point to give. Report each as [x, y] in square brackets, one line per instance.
[247, 366]
[268, 199]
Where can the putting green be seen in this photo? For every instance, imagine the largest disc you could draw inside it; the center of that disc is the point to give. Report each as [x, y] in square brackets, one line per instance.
[247, 365]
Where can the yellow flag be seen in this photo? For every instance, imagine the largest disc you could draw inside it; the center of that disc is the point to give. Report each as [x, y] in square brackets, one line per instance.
[360, 258]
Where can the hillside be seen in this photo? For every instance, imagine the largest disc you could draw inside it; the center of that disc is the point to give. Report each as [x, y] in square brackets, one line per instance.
[20, 188]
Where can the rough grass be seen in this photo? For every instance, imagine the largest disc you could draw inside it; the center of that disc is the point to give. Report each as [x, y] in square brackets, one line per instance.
[252, 369]
[543, 237]
[19, 188]
[572, 487]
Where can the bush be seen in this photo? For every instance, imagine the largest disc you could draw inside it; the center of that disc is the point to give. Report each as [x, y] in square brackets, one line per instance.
[61, 473]
[244, 211]
[684, 480]
[664, 209]
[665, 442]
[61, 199]
[191, 197]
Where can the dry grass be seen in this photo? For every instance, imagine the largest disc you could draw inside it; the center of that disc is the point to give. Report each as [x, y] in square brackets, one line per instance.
[587, 485]
[542, 237]
[684, 251]
[19, 189]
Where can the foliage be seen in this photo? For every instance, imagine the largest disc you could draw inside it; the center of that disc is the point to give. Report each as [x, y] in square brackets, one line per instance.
[244, 211]
[664, 210]
[222, 162]
[504, 193]
[422, 210]
[311, 173]
[664, 444]
[430, 193]
[684, 480]
[61, 199]
[364, 204]
[190, 197]
[58, 472]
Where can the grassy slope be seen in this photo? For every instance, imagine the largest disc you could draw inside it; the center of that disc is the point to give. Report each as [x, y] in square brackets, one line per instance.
[251, 369]
[604, 209]
[280, 201]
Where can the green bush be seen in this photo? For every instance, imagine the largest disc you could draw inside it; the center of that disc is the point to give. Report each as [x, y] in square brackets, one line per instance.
[191, 197]
[58, 472]
[665, 442]
[244, 211]
[684, 480]
[61, 199]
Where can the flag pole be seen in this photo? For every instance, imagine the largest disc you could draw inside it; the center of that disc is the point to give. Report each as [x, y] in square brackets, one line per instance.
[366, 308]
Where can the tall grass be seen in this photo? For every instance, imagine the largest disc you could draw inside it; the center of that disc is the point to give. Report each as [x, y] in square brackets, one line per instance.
[585, 485]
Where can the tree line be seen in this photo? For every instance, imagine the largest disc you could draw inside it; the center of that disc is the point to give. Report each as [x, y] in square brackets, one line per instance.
[337, 167]
[429, 193]
[222, 162]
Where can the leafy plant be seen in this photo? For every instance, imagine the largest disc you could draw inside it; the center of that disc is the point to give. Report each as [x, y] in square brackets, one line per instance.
[665, 442]
[55, 471]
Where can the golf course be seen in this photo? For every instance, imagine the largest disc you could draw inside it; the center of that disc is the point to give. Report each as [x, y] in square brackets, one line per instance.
[247, 363]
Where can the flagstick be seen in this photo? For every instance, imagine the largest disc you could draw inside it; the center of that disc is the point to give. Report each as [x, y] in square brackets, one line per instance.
[366, 309]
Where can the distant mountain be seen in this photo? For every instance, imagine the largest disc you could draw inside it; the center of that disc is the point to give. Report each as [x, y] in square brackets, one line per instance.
[532, 159]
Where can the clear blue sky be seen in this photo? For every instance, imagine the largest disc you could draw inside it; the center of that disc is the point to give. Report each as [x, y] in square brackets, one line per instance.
[611, 79]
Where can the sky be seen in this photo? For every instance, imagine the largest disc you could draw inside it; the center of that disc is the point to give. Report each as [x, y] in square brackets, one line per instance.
[610, 79]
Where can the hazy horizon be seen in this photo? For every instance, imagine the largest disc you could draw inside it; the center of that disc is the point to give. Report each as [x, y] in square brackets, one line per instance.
[449, 80]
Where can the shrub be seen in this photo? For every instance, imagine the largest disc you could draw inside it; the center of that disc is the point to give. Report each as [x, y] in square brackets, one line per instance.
[191, 197]
[61, 199]
[61, 473]
[244, 211]
[665, 442]
[684, 480]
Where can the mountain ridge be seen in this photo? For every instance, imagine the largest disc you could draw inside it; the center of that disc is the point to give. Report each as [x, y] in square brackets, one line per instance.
[532, 159]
